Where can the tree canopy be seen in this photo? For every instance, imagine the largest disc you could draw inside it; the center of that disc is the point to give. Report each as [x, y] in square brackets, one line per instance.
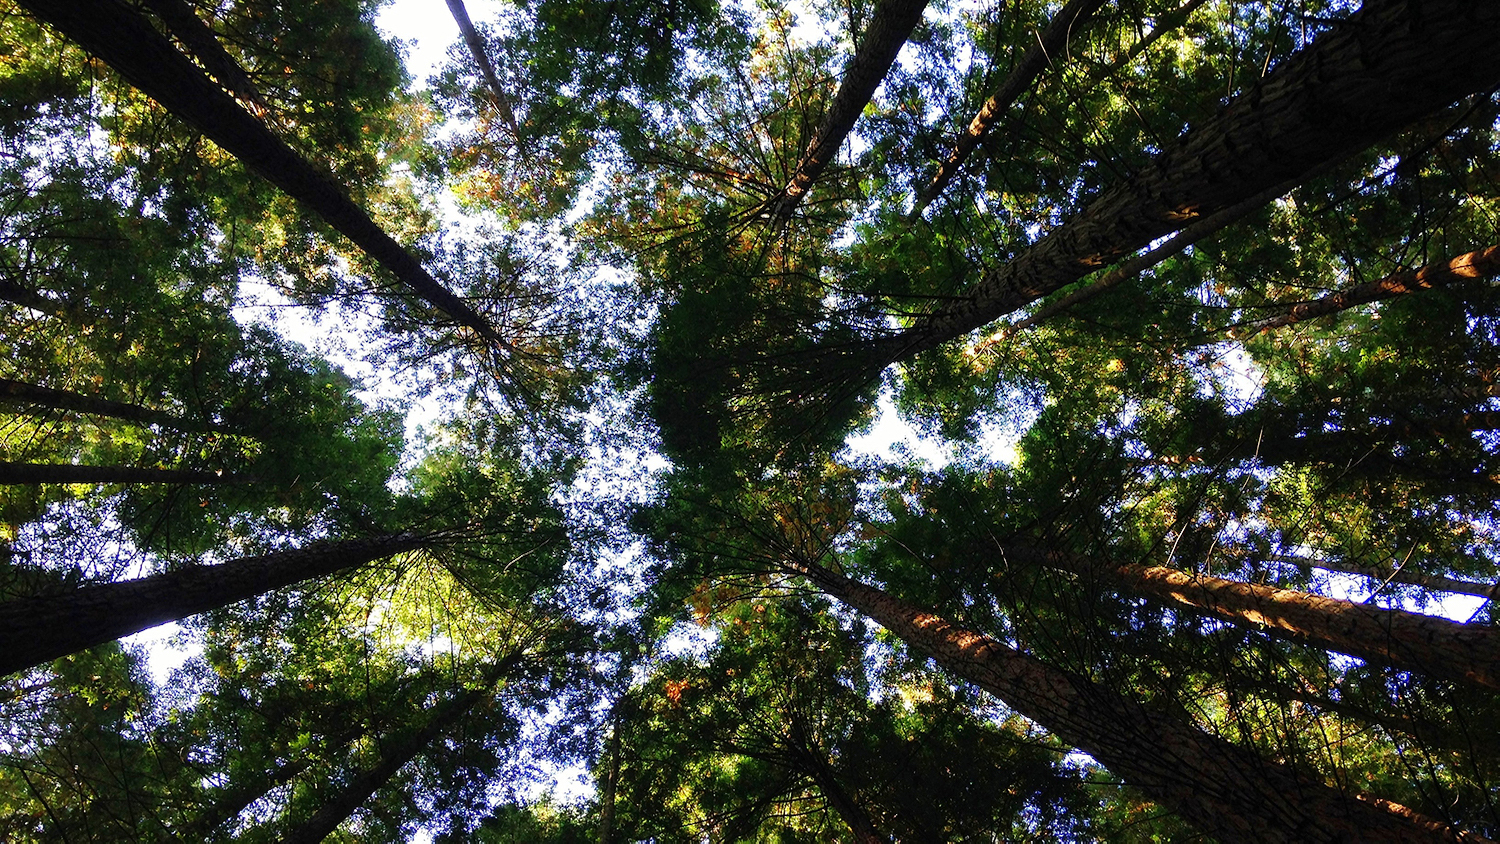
[877, 421]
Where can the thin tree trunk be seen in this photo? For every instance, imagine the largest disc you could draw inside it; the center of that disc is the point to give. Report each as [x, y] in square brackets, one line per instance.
[147, 60]
[486, 69]
[200, 39]
[18, 295]
[234, 799]
[22, 392]
[890, 25]
[1049, 42]
[1223, 789]
[1482, 263]
[1437, 647]
[1382, 68]
[815, 764]
[35, 630]
[611, 782]
[395, 757]
[1433, 582]
[68, 473]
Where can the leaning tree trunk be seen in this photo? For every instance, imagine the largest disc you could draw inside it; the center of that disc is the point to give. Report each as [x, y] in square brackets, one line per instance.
[34, 394]
[1437, 647]
[1431, 582]
[1223, 789]
[198, 37]
[1049, 42]
[1481, 263]
[475, 43]
[234, 799]
[26, 298]
[395, 757]
[1383, 67]
[815, 764]
[146, 59]
[35, 630]
[890, 25]
[70, 473]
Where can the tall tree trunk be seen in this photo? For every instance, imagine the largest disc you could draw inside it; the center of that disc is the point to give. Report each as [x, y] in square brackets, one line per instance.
[1223, 789]
[394, 757]
[890, 25]
[1385, 66]
[1437, 647]
[35, 630]
[69, 473]
[26, 298]
[814, 763]
[200, 39]
[611, 782]
[487, 70]
[147, 60]
[1049, 42]
[22, 392]
[233, 799]
[1481, 263]
[1433, 582]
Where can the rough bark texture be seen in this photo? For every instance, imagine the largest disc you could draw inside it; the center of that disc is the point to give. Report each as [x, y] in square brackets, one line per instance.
[1224, 790]
[476, 47]
[147, 60]
[1049, 42]
[68, 473]
[394, 757]
[890, 25]
[1467, 653]
[1481, 263]
[35, 630]
[1384, 67]
[21, 392]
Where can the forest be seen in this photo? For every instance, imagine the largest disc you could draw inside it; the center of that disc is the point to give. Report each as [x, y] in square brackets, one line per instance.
[741, 421]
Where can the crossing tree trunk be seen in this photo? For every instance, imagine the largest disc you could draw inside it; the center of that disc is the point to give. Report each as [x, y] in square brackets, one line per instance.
[1383, 67]
[149, 61]
[69, 473]
[890, 25]
[394, 757]
[1226, 791]
[21, 392]
[35, 630]
[1050, 43]
[1437, 647]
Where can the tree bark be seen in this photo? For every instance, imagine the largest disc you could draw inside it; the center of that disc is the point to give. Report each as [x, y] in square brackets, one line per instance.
[1385, 66]
[1437, 647]
[1049, 42]
[196, 35]
[147, 60]
[18, 295]
[233, 799]
[815, 764]
[486, 69]
[890, 25]
[1433, 582]
[22, 392]
[1224, 790]
[35, 630]
[68, 473]
[1481, 263]
[394, 757]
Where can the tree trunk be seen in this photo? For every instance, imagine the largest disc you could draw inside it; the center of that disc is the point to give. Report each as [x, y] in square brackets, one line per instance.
[1050, 41]
[22, 392]
[394, 757]
[200, 39]
[1437, 647]
[147, 60]
[18, 295]
[35, 630]
[486, 69]
[890, 25]
[1225, 790]
[1382, 68]
[69, 473]
[1433, 582]
[815, 764]
[1481, 263]
[611, 782]
[234, 799]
